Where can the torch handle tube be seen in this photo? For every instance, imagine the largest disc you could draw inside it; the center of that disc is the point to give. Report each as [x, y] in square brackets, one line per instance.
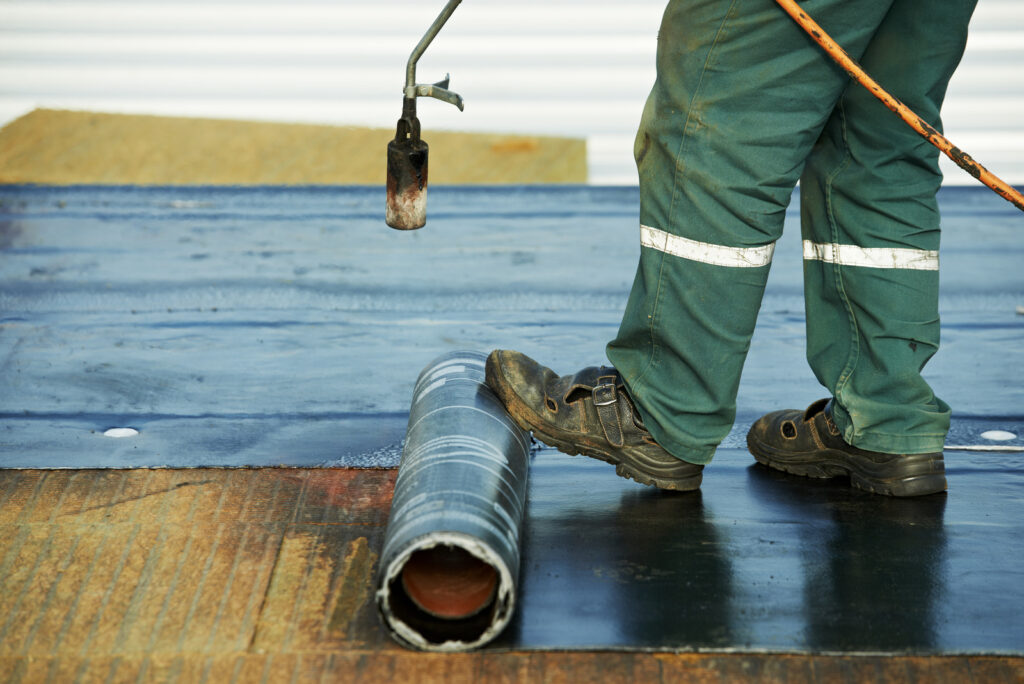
[449, 568]
[417, 52]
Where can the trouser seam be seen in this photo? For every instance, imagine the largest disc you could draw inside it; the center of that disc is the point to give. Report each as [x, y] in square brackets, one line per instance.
[651, 344]
[677, 171]
[687, 127]
[854, 354]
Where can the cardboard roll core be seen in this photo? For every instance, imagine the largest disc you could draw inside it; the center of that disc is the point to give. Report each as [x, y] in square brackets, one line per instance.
[449, 582]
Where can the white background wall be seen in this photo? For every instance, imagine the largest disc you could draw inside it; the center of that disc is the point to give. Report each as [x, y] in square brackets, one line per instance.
[563, 67]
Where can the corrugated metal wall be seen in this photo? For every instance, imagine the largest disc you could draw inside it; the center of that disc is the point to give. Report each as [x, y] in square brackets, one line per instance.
[565, 67]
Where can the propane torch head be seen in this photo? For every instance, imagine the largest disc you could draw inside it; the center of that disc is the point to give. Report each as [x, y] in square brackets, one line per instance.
[407, 173]
[407, 184]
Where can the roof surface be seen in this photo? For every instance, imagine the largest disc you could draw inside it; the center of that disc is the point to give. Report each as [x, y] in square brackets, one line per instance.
[267, 326]
[272, 325]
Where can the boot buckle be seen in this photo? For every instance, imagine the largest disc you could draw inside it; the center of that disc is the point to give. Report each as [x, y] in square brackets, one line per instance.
[604, 395]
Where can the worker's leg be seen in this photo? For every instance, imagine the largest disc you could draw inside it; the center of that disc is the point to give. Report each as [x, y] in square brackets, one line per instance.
[741, 97]
[871, 237]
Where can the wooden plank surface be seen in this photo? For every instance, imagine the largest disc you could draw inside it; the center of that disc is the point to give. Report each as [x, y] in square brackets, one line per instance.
[162, 561]
[263, 575]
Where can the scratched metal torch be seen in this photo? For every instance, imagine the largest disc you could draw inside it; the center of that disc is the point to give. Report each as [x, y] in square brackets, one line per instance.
[407, 153]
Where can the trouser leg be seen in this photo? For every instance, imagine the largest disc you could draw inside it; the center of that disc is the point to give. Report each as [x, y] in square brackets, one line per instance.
[871, 237]
[741, 96]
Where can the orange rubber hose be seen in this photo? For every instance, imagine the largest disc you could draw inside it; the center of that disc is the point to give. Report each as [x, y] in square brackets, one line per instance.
[959, 157]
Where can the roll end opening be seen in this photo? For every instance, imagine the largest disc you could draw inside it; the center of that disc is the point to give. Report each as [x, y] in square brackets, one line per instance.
[446, 594]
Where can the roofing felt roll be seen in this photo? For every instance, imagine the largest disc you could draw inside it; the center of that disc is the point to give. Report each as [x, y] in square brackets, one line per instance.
[450, 564]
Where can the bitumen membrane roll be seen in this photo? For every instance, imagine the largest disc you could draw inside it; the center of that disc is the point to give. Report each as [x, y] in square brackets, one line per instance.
[450, 565]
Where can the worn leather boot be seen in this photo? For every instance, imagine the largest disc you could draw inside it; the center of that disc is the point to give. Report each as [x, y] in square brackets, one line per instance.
[587, 413]
[808, 443]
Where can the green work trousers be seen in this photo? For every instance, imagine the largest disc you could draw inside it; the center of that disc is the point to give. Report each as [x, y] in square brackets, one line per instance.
[744, 105]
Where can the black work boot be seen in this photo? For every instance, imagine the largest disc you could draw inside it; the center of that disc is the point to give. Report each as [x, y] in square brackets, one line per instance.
[587, 413]
[808, 443]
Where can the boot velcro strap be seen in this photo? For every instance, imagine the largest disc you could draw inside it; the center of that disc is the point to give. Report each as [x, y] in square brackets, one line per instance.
[605, 401]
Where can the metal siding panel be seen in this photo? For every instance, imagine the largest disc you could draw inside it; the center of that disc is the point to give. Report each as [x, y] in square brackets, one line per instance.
[343, 63]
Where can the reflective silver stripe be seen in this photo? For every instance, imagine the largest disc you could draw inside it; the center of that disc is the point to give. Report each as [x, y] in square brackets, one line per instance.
[873, 257]
[705, 252]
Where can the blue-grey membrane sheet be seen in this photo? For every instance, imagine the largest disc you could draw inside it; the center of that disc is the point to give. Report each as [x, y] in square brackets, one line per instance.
[266, 326]
[276, 325]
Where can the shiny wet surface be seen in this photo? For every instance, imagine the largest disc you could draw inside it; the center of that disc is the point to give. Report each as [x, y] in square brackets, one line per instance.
[762, 560]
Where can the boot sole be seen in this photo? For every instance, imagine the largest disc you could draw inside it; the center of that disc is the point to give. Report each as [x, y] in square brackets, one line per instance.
[913, 475]
[569, 443]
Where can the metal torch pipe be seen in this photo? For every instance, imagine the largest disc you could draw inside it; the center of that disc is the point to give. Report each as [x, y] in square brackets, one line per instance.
[417, 52]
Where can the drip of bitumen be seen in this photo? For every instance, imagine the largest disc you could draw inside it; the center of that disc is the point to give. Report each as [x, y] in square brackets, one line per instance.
[450, 563]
